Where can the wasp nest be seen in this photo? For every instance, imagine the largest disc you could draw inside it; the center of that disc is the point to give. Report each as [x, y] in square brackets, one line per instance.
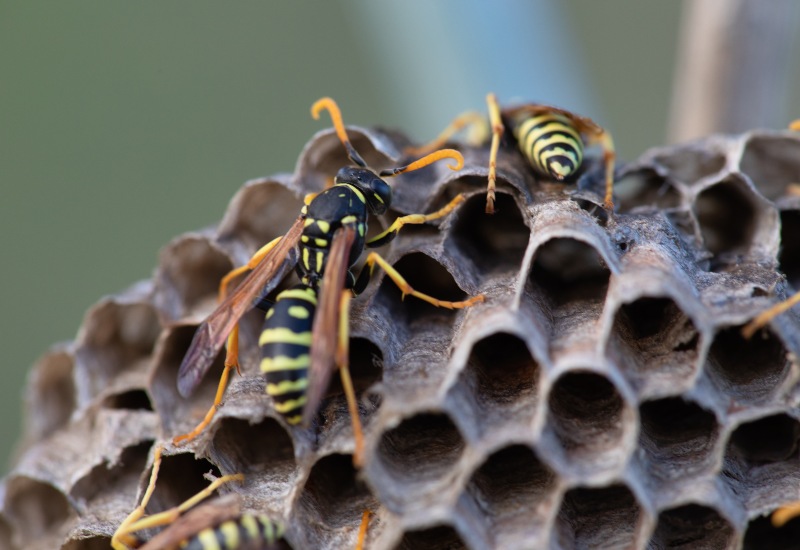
[602, 396]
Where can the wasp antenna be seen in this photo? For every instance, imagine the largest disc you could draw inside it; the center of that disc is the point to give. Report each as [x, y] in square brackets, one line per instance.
[426, 160]
[795, 125]
[336, 116]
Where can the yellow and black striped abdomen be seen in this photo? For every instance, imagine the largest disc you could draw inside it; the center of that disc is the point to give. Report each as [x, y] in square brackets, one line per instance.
[245, 532]
[551, 144]
[285, 343]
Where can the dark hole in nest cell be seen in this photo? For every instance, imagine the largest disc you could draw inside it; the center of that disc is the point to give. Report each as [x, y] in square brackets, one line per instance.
[569, 270]
[747, 369]
[727, 216]
[130, 400]
[243, 447]
[770, 439]
[422, 447]
[334, 493]
[425, 275]
[35, 506]
[493, 242]
[762, 534]
[607, 517]
[789, 256]
[104, 479]
[440, 537]
[692, 526]
[645, 188]
[511, 480]
[365, 364]
[586, 412]
[180, 477]
[193, 268]
[503, 370]
[675, 431]
[772, 162]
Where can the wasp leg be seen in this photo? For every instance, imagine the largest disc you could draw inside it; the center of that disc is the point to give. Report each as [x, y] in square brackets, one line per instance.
[123, 538]
[362, 530]
[470, 118]
[766, 316]
[374, 259]
[784, 514]
[232, 351]
[391, 233]
[342, 361]
[603, 138]
[496, 123]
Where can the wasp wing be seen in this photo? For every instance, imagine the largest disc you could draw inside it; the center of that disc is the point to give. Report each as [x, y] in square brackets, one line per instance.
[325, 332]
[211, 335]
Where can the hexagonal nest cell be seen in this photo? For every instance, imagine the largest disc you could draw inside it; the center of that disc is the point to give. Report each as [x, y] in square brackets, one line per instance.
[602, 395]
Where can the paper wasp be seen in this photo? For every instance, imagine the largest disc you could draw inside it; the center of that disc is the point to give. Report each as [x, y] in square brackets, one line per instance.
[305, 335]
[217, 525]
[551, 140]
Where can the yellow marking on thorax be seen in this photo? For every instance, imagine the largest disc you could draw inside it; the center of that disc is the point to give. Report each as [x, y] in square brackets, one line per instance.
[356, 190]
[283, 363]
[285, 336]
[349, 219]
[306, 258]
[298, 312]
[324, 226]
[320, 259]
[304, 238]
[309, 221]
[320, 242]
[361, 229]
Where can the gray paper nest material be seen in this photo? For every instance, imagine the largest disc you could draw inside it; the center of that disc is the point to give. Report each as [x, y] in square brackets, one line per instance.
[602, 396]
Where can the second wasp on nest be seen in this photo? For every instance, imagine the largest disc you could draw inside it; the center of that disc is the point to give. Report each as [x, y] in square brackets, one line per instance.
[603, 395]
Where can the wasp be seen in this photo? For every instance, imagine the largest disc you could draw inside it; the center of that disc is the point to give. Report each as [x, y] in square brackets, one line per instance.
[305, 333]
[551, 140]
[217, 525]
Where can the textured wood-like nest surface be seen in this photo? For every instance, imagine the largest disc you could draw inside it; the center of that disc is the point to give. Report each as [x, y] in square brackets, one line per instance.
[602, 396]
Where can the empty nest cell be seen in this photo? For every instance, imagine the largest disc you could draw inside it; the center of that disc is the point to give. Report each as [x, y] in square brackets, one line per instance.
[493, 243]
[772, 162]
[747, 370]
[773, 438]
[728, 217]
[108, 481]
[569, 271]
[51, 394]
[333, 499]
[264, 448]
[181, 476]
[645, 189]
[418, 458]
[514, 488]
[678, 439]
[117, 343]
[35, 507]
[789, 255]
[187, 280]
[589, 419]
[606, 517]
[692, 526]
[658, 343]
[502, 377]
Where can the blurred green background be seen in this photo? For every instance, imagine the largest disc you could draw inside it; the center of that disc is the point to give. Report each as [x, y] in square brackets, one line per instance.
[124, 124]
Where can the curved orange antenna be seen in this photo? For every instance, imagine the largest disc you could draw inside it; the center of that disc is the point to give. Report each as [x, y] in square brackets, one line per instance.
[336, 116]
[426, 160]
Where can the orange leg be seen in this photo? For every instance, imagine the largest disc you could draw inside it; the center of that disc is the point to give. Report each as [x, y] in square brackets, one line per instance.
[470, 118]
[342, 361]
[766, 316]
[362, 530]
